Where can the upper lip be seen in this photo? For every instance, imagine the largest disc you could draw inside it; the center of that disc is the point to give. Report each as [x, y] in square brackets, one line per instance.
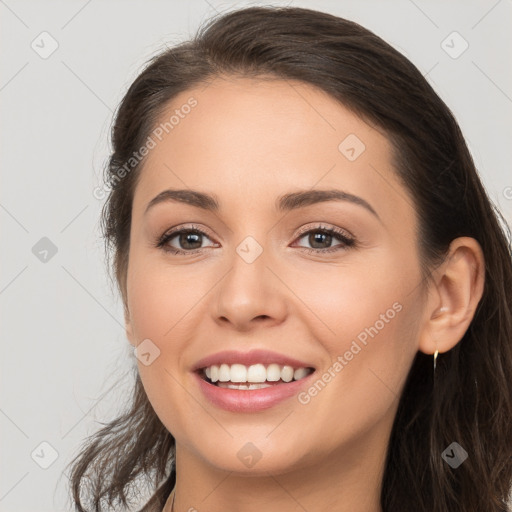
[249, 358]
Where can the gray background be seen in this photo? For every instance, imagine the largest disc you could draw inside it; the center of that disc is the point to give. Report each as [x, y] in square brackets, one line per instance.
[65, 360]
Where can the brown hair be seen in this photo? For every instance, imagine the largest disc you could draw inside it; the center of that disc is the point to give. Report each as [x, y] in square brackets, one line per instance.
[470, 401]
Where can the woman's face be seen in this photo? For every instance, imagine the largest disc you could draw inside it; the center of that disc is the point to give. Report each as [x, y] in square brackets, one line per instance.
[263, 274]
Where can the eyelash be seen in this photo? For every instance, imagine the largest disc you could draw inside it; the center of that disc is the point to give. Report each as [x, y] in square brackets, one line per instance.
[347, 241]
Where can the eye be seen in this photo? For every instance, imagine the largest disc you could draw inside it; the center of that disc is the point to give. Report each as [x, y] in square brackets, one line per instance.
[190, 239]
[321, 238]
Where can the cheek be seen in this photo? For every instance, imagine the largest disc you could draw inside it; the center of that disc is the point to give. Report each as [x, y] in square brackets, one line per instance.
[161, 298]
[365, 320]
[344, 302]
[161, 303]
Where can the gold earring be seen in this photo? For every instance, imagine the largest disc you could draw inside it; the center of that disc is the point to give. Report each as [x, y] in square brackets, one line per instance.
[435, 359]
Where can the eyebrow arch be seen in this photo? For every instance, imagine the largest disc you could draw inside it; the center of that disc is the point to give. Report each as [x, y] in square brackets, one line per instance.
[191, 197]
[286, 202]
[304, 198]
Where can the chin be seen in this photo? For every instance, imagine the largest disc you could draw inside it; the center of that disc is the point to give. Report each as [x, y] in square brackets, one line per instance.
[253, 459]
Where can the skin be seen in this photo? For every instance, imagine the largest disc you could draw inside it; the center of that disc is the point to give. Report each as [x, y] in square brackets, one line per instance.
[249, 142]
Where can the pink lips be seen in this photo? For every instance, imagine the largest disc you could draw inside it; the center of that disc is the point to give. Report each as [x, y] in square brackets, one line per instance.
[253, 400]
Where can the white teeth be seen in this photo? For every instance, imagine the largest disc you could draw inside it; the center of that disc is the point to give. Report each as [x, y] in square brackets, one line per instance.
[300, 373]
[238, 373]
[256, 373]
[224, 373]
[273, 372]
[287, 374]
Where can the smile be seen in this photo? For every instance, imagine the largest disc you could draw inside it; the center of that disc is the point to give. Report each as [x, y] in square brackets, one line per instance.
[255, 376]
[246, 397]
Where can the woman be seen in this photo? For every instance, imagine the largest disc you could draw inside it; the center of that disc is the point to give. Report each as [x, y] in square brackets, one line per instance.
[316, 285]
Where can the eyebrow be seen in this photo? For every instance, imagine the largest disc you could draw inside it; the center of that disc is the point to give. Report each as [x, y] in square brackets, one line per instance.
[284, 203]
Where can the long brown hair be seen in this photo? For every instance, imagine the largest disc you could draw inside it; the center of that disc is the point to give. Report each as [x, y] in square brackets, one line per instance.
[471, 401]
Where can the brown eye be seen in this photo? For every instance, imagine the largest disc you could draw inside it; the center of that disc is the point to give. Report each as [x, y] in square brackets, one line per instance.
[320, 239]
[188, 241]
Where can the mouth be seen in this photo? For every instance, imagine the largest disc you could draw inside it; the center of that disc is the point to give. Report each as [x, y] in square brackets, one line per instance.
[252, 377]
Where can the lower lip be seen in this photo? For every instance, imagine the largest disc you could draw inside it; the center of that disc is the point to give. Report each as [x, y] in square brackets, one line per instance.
[251, 400]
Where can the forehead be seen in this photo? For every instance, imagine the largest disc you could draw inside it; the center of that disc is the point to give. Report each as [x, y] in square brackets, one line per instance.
[247, 140]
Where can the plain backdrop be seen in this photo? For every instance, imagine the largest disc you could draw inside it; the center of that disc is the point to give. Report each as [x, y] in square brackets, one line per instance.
[65, 65]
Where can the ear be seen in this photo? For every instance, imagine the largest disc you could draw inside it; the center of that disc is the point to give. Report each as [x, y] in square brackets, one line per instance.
[458, 285]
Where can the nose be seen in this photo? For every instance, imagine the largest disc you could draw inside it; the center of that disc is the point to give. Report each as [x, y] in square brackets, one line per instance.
[250, 295]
